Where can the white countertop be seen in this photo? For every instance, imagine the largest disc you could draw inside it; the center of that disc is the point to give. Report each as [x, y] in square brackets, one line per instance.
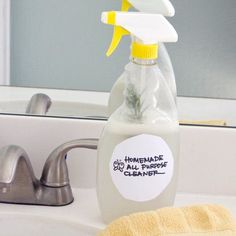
[84, 210]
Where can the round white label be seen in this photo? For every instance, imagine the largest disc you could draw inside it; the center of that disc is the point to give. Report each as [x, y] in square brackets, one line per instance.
[141, 167]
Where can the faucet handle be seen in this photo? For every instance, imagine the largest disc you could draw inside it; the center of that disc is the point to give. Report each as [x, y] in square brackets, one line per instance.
[55, 171]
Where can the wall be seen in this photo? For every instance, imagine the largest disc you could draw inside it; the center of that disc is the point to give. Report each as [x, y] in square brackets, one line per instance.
[61, 43]
[4, 42]
[205, 56]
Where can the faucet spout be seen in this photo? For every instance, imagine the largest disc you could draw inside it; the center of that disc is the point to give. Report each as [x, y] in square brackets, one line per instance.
[55, 172]
[39, 104]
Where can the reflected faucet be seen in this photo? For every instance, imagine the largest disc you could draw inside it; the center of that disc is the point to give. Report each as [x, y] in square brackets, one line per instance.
[39, 104]
[18, 183]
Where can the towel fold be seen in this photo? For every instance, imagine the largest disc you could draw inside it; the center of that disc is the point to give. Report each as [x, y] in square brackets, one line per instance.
[201, 220]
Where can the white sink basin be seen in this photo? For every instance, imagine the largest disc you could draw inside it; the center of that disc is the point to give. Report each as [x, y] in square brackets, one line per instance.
[26, 225]
[65, 103]
[81, 218]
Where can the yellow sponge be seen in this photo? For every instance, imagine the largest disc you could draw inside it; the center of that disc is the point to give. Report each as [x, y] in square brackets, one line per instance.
[202, 220]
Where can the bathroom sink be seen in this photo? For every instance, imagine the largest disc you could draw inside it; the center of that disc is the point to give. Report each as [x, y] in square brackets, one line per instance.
[207, 166]
[65, 103]
[80, 218]
[26, 225]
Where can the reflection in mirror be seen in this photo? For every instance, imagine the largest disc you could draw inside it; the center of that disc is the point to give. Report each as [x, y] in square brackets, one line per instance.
[61, 44]
[39, 104]
[53, 102]
[93, 105]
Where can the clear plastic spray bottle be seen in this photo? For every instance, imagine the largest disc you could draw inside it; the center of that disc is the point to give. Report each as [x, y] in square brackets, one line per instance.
[138, 152]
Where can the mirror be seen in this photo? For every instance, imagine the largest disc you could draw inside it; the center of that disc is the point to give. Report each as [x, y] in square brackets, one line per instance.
[57, 47]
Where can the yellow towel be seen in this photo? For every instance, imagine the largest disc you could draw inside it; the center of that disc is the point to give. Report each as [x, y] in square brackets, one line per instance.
[202, 220]
[204, 122]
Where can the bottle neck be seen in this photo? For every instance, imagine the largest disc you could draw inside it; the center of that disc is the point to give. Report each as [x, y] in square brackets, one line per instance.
[141, 86]
[144, 62]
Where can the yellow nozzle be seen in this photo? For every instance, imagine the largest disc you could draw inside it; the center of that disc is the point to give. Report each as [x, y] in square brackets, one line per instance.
[118, 33]
[138, 50]
[125, 5]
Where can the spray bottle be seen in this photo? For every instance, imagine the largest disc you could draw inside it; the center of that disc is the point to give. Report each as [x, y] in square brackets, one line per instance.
[139, 146]
[165, 8]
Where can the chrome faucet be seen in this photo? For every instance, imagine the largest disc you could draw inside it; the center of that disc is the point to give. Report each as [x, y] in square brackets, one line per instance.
[39, 104]
[18, 183]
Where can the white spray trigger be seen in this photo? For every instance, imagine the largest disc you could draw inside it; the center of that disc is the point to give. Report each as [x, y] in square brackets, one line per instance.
[148, 28]
[163, 7]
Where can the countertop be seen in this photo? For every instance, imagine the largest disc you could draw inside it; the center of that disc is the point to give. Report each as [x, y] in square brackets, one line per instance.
[84, 210]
